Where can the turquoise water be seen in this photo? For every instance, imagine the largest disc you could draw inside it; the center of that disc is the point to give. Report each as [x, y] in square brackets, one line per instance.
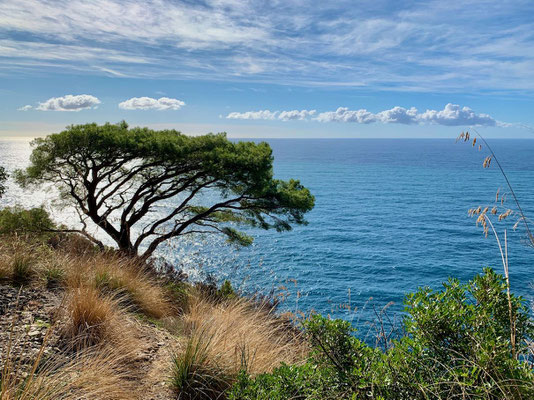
[390, 216]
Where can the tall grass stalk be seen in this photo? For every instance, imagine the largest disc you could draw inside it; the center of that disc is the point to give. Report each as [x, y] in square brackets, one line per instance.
[485, 220]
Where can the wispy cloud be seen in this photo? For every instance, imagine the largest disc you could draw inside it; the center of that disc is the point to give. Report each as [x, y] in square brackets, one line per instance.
[419, 46]
[148, 103]
[69, 103]
[25, 108]
[451, 115]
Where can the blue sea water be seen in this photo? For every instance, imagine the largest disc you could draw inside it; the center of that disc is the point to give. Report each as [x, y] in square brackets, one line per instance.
[390, 216]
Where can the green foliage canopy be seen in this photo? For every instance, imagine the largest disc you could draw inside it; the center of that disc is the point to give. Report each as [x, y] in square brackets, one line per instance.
[117, 177]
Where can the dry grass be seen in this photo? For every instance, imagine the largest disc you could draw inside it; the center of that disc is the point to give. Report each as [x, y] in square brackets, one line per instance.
[242, 335]
[100, 291]
[92, 318]
[120, 277]
[226, 338]
[19, 261]
[24, 262]
[127, 276]
[195, 374]
[89, 375]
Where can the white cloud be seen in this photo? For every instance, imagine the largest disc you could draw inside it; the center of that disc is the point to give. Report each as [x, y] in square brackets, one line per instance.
[69, 103]
[148, 103]
[343, 114]
[25, 108]
[295, 114]
[398, 115]
[272, 115]
[451, 115]
[263, 114]
[455, 115]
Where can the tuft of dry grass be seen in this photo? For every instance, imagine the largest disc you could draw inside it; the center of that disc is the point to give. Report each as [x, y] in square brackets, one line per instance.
[130, 278]
[89, 375]
[243, 336]
[120, 277]
[225, 338]
[18, 262]
[195, 374]
[92, 318]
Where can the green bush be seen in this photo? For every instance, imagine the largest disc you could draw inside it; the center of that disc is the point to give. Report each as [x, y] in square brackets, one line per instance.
[19, 220]
[457, 346]
[462, 336]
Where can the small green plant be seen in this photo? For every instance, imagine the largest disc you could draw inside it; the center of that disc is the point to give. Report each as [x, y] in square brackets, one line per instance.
[54, 277]
[22, 268]
[226, 291]
[107, 283]
[194, 374]
[178, 292]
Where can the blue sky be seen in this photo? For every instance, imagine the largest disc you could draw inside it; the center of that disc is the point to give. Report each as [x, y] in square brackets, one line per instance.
[270, 68]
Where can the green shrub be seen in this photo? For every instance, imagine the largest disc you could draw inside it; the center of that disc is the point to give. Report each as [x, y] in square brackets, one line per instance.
[286, 382]
[462, 336]
[19, 220]
[457, 346]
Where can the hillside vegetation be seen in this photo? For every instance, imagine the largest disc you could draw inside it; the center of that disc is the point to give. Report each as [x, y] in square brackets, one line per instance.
[82, 323]
[79, 323]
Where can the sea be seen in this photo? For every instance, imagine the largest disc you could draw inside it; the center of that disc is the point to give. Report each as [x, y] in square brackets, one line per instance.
[391, 216]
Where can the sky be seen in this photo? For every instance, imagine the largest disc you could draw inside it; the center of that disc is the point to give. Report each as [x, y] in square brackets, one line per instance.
[292, 68]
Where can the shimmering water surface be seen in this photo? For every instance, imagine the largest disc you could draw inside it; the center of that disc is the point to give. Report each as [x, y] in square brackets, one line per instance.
[390, 215]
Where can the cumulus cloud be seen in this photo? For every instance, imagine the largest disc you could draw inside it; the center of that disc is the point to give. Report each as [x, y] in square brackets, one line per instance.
[451, 115]
[25, 108]
[295, 114]
[343, 114]
[69, 103]
[262, 114]
[398, 115]
[148, 103]
[454, 115]
[272, 115]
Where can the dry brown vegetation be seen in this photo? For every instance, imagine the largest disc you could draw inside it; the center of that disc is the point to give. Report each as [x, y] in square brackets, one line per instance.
[88, 375]
[103, 341]
[242, 335]
[92, 318]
